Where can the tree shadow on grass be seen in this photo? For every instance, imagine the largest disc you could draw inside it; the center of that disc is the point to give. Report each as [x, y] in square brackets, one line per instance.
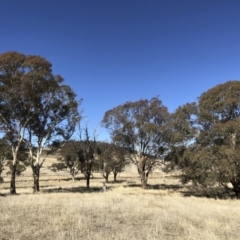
[214, 193]
[117, 182]
[132, 185]
[174, 187]
[74, 190]
[189, 191]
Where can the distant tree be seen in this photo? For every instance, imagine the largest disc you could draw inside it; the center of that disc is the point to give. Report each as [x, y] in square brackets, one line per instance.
[86, 149]
[79, 153]
[105, 156]
[140, 128]
[112, 158]
[67, 161]
[120, 161]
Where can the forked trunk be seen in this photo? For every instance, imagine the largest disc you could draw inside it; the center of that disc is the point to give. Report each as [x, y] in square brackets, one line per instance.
[143, 175]
[13, 179]
[106, 177]
[72, 172]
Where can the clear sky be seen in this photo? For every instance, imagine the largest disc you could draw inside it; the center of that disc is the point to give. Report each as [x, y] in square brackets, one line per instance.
[113, 51]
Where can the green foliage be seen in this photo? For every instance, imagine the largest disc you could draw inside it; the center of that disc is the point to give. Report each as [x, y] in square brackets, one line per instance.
[67, 161]
[19, 169]
[6, 157]
[112, 158]
[78, 156]
[35, 106]
[207, 146]
[139, 127]
[5, 152]
[22, 156]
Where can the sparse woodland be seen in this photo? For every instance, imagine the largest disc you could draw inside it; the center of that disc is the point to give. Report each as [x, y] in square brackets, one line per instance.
[178, 157]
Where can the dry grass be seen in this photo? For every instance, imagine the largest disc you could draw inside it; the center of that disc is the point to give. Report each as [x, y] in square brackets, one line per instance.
[124, 212]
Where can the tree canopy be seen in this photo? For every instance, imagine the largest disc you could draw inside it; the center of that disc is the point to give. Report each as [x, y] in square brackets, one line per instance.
[33, 102]
[139, 127]
[212, 157]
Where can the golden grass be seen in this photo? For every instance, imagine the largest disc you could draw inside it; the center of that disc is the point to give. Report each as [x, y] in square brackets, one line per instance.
[124, 212]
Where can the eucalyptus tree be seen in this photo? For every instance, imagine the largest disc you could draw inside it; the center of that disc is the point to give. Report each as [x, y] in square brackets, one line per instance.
[86, 149]
[112, 158]
[79, 154]
[33, 104]
[140, 128]
[67, 160]
[119, 161]
[55, 118]
[211, 127]
[105, 155]
[54, 111]
[181, 135]
[15, 110]
[219, 134]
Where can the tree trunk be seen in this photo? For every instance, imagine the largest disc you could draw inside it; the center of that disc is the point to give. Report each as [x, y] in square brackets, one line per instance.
[106, 177]
[143, 175]
[115, 176]
[88, 181]
[13, 180]
[72, 173]
[236, 188]
[144, 179]
[36, 175]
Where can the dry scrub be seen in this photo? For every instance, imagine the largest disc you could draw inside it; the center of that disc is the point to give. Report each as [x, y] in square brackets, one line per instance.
[122, 213]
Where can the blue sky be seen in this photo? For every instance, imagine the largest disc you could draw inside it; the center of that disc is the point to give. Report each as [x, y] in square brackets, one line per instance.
[112, 51]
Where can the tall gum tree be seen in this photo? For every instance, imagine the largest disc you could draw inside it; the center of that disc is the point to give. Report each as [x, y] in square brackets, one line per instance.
[219, 120]
[67, 160]
[211, 156]
[33, 103]
[14, 118]
[139, 127]
[55, 111]
[112, 158]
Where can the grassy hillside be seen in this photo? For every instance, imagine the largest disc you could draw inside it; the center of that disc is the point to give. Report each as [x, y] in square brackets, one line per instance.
[66, 210]
[121, 213]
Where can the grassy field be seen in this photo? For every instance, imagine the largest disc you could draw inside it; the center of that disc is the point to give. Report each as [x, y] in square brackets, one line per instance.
[66, 210]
